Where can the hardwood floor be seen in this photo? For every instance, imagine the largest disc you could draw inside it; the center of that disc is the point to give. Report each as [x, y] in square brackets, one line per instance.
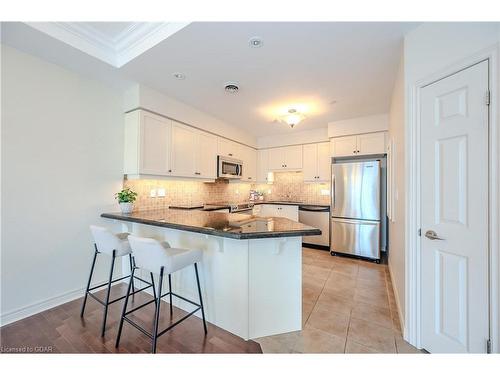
[61, 330]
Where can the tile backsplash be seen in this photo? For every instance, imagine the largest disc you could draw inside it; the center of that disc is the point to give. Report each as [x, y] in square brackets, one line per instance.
[286, 186]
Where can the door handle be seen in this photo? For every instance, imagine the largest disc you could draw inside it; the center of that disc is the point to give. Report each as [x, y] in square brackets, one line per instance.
[430, 234]
[333, 191]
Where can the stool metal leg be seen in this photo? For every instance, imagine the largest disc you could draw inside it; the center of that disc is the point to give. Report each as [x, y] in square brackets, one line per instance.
[106, 304]
[154, 289]
[201, 300]
[170, 291]
[90, 280]
[131, 268]
[157, 312]
[124, 310]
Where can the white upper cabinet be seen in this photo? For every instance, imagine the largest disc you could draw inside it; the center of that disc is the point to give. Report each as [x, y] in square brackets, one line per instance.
[249, 158]
[158, 146]
[361, 144]
[184, 149]
[228, 148]
[147, 144]
[285, 158]
[206, 161]
[263, 170]
[316, 162]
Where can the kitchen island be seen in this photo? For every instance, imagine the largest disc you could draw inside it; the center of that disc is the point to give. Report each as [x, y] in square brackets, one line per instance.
[251, 273]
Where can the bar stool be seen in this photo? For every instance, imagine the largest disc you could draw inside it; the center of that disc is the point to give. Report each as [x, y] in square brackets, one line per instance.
[159, 258]
[114, 245]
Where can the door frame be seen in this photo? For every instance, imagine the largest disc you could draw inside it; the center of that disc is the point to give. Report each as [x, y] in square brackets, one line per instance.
[412, 326]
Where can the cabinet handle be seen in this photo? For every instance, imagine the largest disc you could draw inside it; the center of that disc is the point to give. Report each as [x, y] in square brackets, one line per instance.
[169, 171]
[230, 154]
[249, 178]
[197, 173]
[354, 152]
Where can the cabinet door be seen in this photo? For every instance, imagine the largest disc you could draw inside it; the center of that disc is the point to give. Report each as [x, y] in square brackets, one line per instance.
[276, 161]
[344, 146]
[371, 143]
[293, 157]
[184, 145]
[262, 165]
[249, 158]
[268, 210]
[155, 144]
[310, 163]
[229, 148]
[206, 155]
[289, 211]
[324, 162]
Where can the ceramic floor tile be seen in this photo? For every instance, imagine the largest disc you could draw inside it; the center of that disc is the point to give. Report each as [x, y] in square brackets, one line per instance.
[378, 315]
[349, 269]
[324, 319]
[373, 296]
[403, 347]
[372, 335]
[335, 303]
[315, 271]
[355, 348]
[283, 343]
[311, 340]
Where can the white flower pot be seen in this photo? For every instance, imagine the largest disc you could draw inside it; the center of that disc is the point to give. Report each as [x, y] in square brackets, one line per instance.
[126, 207]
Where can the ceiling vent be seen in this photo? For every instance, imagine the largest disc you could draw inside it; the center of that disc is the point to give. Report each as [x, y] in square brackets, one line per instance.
[231, 88]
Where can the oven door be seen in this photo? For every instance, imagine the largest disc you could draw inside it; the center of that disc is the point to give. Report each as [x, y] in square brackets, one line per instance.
[229, 168]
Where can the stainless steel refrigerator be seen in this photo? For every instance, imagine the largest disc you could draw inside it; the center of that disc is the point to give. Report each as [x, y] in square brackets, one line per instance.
[355, 223]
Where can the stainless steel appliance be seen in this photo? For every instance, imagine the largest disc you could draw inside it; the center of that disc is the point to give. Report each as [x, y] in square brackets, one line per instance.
[240, 208]
[229, 167]
[317, 217]
[356, 208]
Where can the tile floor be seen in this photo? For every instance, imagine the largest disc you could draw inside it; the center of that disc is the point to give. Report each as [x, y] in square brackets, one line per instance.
[348, 306]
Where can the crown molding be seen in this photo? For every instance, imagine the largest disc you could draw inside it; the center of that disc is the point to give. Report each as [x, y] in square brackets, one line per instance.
[131, 42]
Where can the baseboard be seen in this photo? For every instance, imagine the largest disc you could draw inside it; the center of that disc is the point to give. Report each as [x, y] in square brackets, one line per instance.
[395, 290]
[35, 308]
[314, 246]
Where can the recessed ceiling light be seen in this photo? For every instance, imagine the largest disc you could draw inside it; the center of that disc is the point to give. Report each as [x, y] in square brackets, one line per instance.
[231, 88]
[255, 42]
[179, 76]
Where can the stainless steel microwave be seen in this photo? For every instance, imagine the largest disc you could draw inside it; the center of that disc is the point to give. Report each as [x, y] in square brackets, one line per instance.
[229, 168]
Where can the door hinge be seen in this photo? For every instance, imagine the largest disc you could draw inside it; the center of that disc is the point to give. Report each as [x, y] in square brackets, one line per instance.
[488, 97]
[488, 346]
[419, 232]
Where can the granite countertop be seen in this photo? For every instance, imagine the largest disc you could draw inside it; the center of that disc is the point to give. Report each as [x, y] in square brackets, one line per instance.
[237, 226]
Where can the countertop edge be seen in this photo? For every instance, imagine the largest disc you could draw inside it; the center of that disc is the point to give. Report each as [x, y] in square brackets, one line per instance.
[213, 232]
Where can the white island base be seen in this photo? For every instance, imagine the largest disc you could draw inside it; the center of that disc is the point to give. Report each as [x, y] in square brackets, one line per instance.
[251, 288]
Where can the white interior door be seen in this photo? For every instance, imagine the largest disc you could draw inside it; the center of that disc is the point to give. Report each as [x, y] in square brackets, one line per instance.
[454, 207]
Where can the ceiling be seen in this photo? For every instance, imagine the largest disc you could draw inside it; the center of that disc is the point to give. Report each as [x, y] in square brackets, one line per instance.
[331, 71]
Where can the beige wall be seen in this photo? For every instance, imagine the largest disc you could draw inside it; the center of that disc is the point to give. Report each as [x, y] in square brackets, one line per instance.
[62, 158]
[397, 223]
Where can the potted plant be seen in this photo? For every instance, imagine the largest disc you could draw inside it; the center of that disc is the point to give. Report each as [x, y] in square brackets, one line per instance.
[126, 199]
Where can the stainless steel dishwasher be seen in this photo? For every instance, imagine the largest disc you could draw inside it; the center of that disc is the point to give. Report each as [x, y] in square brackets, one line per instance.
[317, 217]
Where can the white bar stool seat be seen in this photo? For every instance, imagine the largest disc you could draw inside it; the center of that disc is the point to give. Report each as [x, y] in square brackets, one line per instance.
[159, 258]
[115, 246]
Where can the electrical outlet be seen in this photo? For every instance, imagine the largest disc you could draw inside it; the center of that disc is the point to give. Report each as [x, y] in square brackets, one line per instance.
[161, 192]
[152, 193]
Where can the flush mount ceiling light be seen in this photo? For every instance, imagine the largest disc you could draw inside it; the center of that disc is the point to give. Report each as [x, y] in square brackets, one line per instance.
[255, 42]
[293, 117]
[231, 88]
[179, 76]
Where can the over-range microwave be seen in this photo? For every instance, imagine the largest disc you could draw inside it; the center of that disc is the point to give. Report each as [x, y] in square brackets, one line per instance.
[228, 167]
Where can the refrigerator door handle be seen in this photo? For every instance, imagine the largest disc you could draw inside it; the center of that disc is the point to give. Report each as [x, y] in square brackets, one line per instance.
[333, 193]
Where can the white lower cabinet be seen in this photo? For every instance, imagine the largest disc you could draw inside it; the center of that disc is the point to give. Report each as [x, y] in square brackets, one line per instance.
[277, 210]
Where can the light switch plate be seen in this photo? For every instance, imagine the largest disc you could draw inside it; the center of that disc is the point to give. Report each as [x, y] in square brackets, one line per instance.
[161, 192]
[152, 193]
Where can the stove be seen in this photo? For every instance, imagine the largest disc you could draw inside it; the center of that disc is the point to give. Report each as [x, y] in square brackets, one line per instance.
[246, 207]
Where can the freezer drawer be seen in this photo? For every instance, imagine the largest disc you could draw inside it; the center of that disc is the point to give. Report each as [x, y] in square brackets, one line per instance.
[356, 237]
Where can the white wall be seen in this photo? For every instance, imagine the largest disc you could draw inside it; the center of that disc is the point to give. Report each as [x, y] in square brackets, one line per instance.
[358, 125]
[397, 223]
[147, 98]
[432, 48]
[295, 138]
[62, 157]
